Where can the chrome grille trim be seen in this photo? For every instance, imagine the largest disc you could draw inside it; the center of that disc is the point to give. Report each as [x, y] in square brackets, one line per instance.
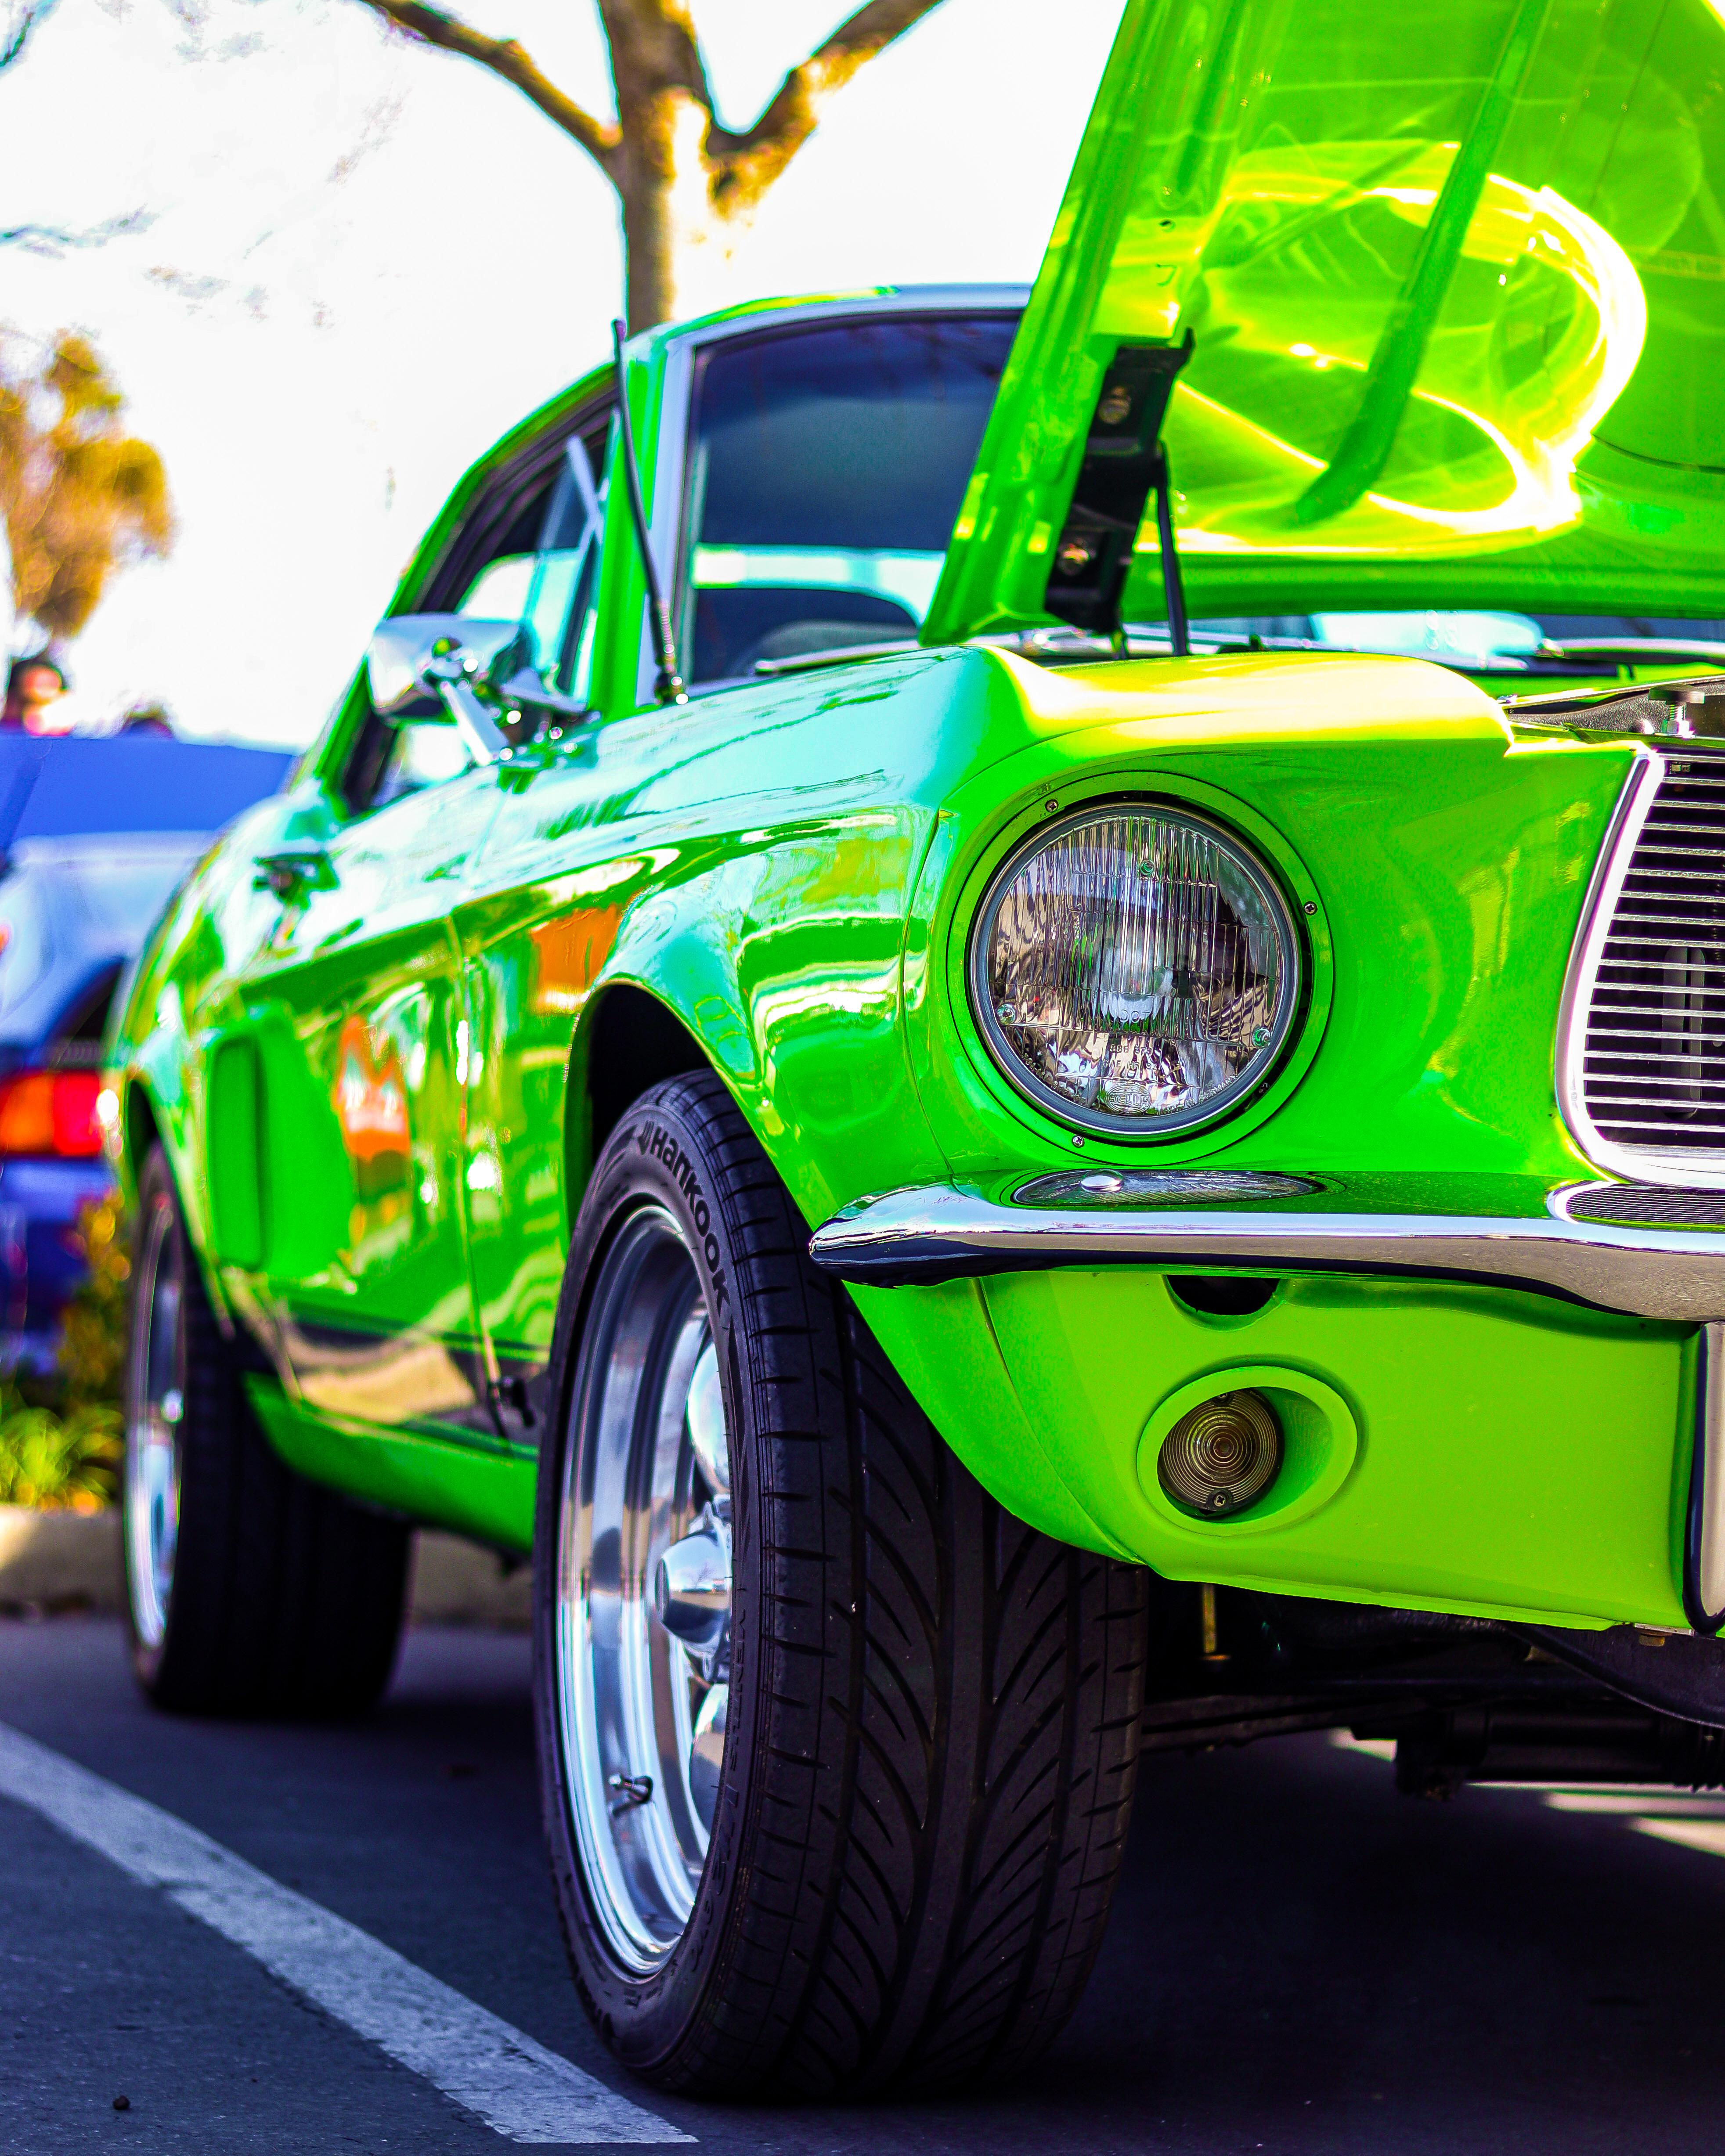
[1640, 1064]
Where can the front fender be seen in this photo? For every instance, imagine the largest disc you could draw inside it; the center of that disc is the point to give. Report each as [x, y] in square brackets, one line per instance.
[784, 963]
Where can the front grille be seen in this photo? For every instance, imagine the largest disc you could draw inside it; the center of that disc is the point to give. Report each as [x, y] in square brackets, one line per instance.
[1653, 1073]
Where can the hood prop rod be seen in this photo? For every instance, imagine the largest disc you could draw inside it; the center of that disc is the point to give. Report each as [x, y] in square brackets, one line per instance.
[1124, 461]
[668, 685]
[1173, 587]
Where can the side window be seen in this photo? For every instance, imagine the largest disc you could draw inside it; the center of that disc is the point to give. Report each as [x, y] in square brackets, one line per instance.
[426, 752]
[528, 555]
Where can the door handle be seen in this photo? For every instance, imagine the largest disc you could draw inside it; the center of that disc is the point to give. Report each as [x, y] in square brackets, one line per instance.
[295, 870]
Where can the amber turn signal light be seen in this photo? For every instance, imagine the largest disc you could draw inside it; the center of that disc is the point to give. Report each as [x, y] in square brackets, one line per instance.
[1221, 1455]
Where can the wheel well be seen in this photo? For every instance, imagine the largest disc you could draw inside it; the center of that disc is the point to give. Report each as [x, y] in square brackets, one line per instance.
[141, 1131]
[633, 1041]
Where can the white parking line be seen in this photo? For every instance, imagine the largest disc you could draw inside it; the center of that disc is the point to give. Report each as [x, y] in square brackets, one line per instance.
[525, 2092]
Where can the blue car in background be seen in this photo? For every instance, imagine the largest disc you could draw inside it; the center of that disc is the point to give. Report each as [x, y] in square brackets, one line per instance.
[94, 835]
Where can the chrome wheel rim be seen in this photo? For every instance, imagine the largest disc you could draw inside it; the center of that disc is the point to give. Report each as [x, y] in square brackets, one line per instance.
[156, 1392]
[643, 1628]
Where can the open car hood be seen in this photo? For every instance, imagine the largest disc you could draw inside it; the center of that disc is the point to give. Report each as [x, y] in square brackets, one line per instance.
[1455, 275]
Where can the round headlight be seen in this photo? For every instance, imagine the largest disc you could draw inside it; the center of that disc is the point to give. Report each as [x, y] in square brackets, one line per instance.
[1134, 969]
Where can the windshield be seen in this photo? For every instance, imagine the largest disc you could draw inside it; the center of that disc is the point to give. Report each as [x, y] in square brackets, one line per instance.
[826, 469]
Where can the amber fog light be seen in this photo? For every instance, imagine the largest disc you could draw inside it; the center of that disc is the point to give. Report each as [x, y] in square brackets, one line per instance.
[1221, 1455]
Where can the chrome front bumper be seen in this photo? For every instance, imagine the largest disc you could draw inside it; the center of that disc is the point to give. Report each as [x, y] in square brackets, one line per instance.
[1666, 1261]
[1672, 1267]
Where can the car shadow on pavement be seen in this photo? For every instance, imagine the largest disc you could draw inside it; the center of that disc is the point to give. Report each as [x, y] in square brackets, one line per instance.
[1298, 1958]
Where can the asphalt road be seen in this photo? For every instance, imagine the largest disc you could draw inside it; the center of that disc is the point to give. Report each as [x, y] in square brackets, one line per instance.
[1298, 1961]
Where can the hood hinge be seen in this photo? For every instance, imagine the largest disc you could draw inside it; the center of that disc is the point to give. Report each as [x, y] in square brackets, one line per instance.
[1124, 462]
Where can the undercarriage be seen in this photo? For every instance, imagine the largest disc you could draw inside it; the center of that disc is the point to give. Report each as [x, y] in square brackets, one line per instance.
[1462, 1699]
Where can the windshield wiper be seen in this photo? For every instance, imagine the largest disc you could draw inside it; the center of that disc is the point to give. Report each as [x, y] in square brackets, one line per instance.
[1654, 650]
[1146, 642]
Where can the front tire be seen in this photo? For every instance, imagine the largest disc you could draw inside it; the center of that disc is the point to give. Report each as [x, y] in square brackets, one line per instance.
[249, 1590]
[858, 1820]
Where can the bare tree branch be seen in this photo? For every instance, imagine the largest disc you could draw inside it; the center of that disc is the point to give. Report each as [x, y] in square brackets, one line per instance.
[53, 240]
[21, 24]
[505, 58]
[750, 162]
[688, 187]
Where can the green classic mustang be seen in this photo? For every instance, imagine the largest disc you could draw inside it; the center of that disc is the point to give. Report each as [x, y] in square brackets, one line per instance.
[1006, 1014]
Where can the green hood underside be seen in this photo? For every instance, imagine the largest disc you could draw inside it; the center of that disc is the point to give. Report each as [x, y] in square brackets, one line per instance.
[1455, 276]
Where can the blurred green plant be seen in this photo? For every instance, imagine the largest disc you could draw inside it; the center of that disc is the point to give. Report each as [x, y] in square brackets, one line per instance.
[92, 1351]
[60, 1444]
[57, 1462]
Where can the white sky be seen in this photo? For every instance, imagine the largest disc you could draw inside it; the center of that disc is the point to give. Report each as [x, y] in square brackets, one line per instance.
[365, 259]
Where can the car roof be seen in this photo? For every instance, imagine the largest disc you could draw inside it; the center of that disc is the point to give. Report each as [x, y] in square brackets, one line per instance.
[68, 786]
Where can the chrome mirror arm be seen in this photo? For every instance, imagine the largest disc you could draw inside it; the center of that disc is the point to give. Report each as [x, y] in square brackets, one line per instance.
[450, 677]
[525, 687]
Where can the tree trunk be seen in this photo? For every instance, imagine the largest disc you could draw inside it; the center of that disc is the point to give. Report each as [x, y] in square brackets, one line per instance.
[678, 238]
[668, 223]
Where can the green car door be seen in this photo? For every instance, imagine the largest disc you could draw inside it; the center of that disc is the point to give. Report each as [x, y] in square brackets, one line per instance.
[357, 1038]
[353, 1017]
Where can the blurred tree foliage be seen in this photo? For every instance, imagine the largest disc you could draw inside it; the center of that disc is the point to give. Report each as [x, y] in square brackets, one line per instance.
[82, 498]
[60, 1439]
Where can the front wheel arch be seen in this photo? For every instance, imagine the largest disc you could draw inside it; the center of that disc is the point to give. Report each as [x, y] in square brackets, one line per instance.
[628, 1041]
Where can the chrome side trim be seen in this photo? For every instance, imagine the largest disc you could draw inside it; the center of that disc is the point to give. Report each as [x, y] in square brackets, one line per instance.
[1638, 1163]
[941, 1232]
[1706, 1583]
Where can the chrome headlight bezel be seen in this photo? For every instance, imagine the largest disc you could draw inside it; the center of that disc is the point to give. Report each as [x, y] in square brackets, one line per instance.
[1180, 1123]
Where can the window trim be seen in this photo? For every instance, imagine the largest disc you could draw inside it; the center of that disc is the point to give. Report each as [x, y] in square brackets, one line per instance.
[498, 507]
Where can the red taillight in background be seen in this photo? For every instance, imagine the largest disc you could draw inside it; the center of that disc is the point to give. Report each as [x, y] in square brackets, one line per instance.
[50, 1111]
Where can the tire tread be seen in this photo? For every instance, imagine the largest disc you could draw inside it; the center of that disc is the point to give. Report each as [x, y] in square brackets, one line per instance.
[287, 1599]
[932, 1858]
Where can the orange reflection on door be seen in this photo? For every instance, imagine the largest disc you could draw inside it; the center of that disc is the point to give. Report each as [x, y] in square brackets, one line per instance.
[568, 953]
[370, 1096]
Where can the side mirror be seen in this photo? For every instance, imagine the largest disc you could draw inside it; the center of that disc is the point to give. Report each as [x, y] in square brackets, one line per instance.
[413, 657]
[462, 668]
